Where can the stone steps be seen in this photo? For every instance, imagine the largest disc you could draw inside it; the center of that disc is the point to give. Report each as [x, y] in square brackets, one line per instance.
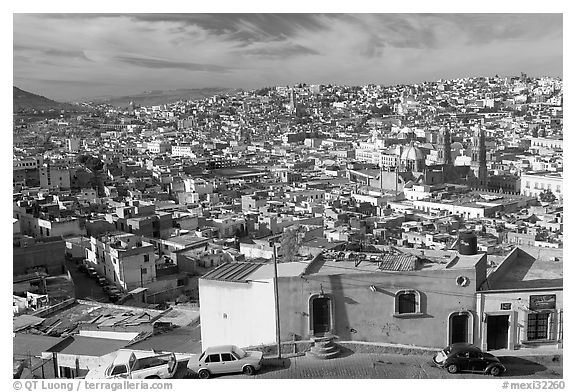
[323, 348]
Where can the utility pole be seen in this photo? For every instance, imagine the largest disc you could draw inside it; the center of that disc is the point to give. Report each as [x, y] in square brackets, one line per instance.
[396, 192]
[277, 304]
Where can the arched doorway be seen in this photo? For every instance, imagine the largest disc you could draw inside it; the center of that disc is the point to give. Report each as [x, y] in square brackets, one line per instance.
[321, 315]
[460, 327]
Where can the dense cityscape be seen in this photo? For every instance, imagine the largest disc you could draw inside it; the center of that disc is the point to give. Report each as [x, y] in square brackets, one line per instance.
[142, 228]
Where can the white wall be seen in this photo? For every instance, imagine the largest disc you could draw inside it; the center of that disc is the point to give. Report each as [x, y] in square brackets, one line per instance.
[237, 313]
[519, 310]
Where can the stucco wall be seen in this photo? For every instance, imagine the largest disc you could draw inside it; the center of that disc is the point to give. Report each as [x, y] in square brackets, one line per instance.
[519, 309]
[237, 313]
[366, 315]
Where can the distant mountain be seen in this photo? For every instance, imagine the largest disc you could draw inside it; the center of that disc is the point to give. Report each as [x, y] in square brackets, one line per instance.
[161, 97]
[24, 101]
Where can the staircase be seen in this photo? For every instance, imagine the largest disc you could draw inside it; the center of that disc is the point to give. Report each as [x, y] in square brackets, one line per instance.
[323, 348]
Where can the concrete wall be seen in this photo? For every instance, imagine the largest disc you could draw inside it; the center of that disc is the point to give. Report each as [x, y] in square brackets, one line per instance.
[237, 313]
[366, 315]
[47, 254]
[63, 228]
[252, 251]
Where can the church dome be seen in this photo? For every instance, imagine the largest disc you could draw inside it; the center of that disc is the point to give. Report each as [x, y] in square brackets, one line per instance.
[412, 153]
[457, 146]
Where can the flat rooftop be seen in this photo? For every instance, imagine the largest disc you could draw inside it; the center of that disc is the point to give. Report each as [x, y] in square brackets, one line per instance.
[90, 346]
[528, 271]
[187, 239]
[404, 260]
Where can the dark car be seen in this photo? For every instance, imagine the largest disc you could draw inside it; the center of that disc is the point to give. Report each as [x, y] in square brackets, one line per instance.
[92, 272]
[465, 357]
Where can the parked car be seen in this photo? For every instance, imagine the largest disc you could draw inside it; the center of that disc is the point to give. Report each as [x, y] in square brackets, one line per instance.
[92, 272]
[127, 365]
[114, 294]
[465, 357]
[113, 297]
[225, 359]
[102, 281]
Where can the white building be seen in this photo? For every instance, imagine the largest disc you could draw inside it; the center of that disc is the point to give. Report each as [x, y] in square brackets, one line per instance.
[534, 183]
[224, 293]
[123, 259]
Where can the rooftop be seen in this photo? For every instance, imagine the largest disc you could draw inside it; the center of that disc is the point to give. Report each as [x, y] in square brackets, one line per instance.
[97, 314]
[31, 344]
[185, 240]
[87, 345]
[400, 259]
[246, 272]
[232, 272]
[529, 269]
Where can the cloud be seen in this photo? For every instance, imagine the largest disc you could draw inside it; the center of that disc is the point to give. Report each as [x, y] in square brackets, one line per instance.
[168, 64]
[159, 51]
[66, 82]
[75, 54]
[281, 51]
[54, 52]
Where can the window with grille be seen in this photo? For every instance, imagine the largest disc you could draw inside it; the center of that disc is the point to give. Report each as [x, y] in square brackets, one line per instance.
[538, 326]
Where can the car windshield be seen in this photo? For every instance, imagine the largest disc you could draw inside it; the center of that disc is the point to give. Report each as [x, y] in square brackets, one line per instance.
[239, 352]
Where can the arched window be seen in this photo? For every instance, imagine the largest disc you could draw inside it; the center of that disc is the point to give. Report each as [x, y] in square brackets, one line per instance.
[407, 303]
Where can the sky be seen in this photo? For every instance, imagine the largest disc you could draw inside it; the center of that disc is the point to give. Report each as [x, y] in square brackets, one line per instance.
[68, 57]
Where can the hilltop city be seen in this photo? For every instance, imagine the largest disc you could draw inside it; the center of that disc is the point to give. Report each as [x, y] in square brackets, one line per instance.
[305, 217]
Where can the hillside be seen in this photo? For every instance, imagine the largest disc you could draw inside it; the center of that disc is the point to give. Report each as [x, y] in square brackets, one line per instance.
[24, 101]
[161, 97]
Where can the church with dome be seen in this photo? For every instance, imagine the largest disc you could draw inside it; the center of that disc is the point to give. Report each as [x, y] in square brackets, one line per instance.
[412, 159]
[408, 165]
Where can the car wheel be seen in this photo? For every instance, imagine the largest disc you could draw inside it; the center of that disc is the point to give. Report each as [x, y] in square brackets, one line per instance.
[204, 374]
[496, 371]
[249, 370]
[452, 369]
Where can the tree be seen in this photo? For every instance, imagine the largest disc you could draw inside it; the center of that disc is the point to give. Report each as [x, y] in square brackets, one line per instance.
[547, 196]
[290, 243]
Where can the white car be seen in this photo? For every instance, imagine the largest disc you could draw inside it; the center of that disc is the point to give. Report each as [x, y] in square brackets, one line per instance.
[127, 365]
[225, 359]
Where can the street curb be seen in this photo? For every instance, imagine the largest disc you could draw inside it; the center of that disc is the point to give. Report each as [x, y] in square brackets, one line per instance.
[386, 348]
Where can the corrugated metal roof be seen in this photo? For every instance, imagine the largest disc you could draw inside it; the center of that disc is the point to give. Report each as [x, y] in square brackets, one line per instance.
[232, 272]
[399, 263]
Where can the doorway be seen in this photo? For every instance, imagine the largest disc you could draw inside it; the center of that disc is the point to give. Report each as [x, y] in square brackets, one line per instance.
[321, 316]
[497, 332]
[459, 331]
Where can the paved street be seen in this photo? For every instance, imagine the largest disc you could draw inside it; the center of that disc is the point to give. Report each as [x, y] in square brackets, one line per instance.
[393, 366]
[84, 286]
